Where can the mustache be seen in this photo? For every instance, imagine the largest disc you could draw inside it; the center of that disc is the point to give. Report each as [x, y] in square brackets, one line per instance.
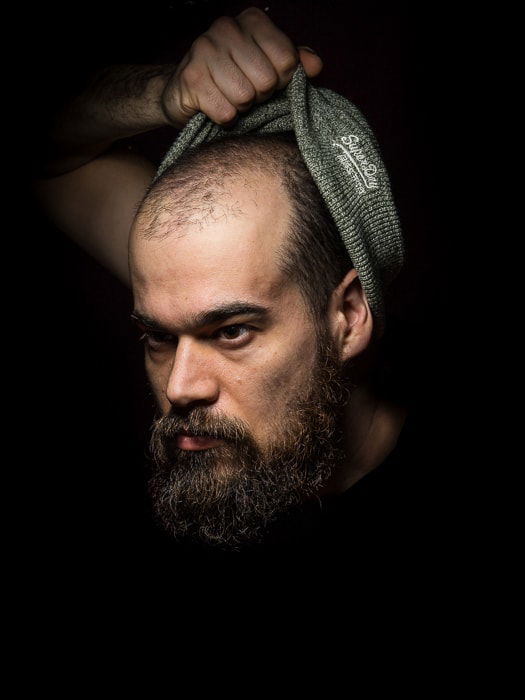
[201, 422]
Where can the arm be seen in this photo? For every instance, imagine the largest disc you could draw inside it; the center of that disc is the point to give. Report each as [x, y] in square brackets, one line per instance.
[118, 101]
[90, 186]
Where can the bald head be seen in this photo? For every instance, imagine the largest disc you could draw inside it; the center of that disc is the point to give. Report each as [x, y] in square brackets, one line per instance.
[233, 244]
[198, 187]
[216, 182]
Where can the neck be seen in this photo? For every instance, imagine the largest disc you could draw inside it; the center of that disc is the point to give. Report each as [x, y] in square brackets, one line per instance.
[371, 426]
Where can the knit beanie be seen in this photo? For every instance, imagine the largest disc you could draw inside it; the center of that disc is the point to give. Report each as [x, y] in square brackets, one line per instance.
[342, 154]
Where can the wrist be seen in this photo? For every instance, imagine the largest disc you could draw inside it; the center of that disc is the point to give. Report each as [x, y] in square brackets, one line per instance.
[149, 104]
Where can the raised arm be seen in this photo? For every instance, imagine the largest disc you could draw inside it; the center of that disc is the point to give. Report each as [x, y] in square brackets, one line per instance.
[90, 186]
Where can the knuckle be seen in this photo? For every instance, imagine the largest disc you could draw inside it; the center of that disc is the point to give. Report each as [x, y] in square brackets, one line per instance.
[201, 45]
[224, 113]
[224, 25]
[285, 62]
[193, 74]
[244, 94]
[252, 13]
[266, 81]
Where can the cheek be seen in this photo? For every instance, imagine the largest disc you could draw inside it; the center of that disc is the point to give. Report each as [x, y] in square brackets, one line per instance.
[283, 381]
[274, 397]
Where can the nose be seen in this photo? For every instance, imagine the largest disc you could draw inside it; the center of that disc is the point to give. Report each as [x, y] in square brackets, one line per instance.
[191, 378]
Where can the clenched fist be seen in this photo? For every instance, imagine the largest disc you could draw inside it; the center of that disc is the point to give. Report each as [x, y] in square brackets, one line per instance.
[236, 63]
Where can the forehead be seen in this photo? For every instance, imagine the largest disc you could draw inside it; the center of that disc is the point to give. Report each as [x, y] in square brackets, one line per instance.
[228, 252]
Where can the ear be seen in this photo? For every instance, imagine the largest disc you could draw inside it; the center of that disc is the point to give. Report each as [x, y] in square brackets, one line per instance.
[350, 318]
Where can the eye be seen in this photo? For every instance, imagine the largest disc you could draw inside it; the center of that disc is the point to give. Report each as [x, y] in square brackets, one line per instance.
[155, 338]
[235, 332]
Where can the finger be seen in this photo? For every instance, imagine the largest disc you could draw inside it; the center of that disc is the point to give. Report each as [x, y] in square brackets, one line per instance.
[233, 83]
[311, 61]
[226, 40]
[215, 105]
[198, 92]
[272, 42]
[257, 70]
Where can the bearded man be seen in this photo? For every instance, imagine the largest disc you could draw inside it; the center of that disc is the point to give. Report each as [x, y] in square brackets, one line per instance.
[251, 311]
[259, 330]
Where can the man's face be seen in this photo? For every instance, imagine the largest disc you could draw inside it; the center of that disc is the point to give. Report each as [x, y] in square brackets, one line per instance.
[234, 361]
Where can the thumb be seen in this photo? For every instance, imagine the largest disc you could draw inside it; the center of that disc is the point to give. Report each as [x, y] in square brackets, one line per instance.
[312, 63]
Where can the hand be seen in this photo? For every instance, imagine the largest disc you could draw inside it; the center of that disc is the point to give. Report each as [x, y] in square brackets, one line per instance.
[236, 63]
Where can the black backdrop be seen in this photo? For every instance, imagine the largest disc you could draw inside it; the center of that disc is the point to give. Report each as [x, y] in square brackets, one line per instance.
[86, 397]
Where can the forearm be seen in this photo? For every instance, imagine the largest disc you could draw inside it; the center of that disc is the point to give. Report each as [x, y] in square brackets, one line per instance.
[119, 101]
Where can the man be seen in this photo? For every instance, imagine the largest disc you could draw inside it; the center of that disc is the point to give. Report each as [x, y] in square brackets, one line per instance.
[261, 383]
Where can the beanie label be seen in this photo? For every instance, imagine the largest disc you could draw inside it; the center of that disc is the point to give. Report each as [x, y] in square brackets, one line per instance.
[356, 164]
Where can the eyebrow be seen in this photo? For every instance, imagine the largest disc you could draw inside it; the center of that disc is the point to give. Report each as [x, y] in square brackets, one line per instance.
[206, 318]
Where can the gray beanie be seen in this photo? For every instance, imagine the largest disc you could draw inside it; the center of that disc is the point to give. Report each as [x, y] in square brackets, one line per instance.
[343, 157]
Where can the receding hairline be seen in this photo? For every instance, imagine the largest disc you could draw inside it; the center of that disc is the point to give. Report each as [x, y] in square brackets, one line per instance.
[175, 209]
[191, 187]
[313, 254]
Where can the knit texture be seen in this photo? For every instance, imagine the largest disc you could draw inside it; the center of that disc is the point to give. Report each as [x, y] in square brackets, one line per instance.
[342, 154]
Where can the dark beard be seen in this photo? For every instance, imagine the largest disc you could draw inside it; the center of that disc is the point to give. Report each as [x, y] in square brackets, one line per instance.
[228, 496]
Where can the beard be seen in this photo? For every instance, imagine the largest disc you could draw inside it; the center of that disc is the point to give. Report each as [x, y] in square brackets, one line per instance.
[227, 497]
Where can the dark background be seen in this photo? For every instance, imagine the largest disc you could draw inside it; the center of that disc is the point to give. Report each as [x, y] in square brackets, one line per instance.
[85, 413]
